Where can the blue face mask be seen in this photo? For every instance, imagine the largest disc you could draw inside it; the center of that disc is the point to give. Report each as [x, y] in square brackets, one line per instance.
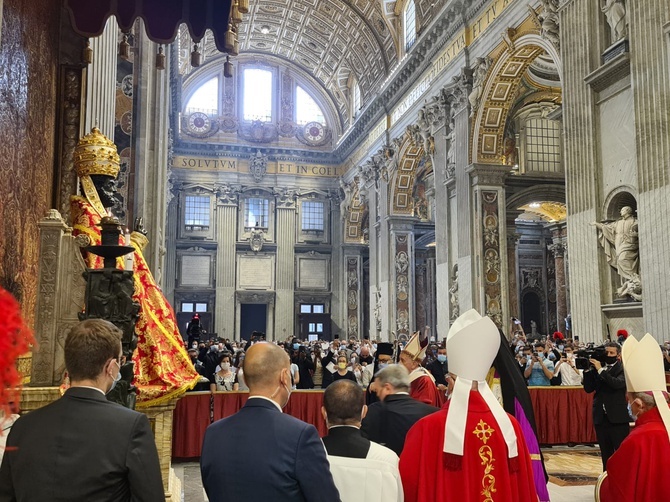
[552, 356]
[442, 358]
[296, 346]
[630, 412]
[381, 366]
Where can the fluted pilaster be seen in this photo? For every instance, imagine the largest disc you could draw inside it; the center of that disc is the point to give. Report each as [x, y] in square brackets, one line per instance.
[285, 309]
[101, 81]
[226, 227]
[650, 69]
[579, 52]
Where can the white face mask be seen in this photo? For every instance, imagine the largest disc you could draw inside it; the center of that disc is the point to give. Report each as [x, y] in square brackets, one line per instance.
[225, 366]
[116, 379]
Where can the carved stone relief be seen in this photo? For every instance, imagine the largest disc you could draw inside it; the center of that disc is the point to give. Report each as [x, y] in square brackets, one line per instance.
[258, 166]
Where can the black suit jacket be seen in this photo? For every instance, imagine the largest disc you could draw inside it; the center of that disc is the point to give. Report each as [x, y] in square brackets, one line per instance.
[388, 421]
[438, 372]
[610, 394]
[345, 441]
[260, 454]
[81, 448]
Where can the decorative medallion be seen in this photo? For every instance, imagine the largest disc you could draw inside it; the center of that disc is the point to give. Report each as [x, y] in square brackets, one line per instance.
[256, 240]
[258, 166]
[314, 132]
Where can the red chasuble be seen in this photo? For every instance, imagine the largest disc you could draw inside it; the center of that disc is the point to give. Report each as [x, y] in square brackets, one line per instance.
[483, 474]
[163, 369]
[638, 469]
[424, 389]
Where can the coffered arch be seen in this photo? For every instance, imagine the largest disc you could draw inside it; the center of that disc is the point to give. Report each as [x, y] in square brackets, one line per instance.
[411, 157]
[514, 57]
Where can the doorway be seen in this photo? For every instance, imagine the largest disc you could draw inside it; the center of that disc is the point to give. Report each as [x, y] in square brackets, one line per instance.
[253, 317]
[531, 310]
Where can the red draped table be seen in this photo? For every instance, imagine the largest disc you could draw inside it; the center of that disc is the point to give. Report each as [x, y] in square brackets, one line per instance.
[563, 415]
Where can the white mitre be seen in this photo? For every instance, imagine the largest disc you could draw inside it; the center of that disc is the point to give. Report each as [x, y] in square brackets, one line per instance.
[472, 345]
[644, 371]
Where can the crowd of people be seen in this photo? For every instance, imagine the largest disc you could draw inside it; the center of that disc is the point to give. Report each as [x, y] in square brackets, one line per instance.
[423, 424]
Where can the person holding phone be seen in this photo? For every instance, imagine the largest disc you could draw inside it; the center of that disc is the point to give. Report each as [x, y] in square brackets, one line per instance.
[539, 370]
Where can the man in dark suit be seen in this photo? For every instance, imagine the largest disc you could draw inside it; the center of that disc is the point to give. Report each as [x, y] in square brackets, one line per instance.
[83, 447]
[361, 468]
[439, 368]
[260, 453]
[610, 408]
[388, 421]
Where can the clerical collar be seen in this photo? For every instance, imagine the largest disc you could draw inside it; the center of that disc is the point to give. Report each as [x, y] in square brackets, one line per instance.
[338, 426]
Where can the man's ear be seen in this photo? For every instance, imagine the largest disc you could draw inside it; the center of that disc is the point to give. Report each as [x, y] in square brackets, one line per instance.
[364, 412]
[324, 414]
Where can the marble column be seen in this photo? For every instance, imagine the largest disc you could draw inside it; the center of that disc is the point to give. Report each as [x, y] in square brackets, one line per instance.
[401, 270]
[557, 250]
[421, 295]
[579, 44]
[512, 273]
[490, 282]
[375, 313]
[170, 275]
[151, 122]
[384, 258]
[352, 280]
[101, 81]
[285, 272]
[226, 236]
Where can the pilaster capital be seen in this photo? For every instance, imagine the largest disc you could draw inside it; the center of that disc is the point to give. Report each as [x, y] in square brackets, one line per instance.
[557, 249]
[227, 194]
[487, 174]
[286, 197]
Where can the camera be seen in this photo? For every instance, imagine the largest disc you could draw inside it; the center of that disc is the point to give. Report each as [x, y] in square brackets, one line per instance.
[582, 356]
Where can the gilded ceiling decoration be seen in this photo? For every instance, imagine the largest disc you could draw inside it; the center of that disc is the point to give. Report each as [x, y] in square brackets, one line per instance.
[548, 211]
[330, 39]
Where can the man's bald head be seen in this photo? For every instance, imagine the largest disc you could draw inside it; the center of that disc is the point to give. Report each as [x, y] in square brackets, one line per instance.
[263, 364]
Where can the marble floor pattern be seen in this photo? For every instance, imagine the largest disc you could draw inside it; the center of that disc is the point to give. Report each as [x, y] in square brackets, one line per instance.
[572, 475]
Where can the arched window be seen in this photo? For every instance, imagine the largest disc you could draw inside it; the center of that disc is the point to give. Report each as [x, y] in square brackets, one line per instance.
[206, 98]
[306, 109]
[257, 94]
[410, 24]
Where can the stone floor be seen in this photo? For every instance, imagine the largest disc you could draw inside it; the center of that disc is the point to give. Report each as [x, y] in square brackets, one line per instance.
[572, 475]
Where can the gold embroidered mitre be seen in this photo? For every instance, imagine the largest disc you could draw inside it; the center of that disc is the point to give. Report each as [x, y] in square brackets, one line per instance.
[95, 154]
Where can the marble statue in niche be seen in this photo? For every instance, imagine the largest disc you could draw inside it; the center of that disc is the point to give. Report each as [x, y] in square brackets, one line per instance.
[345, 204]
[620, 242]
[615, 13]
[453, 295]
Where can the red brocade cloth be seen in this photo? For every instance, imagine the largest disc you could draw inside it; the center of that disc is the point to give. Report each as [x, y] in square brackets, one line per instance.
[163, 369]
[563, 415]
[638, 469]
[483, 474]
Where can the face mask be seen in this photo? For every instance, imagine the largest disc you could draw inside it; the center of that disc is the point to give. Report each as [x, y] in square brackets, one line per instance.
[296, 346]
[540, 355]
[552, 356]
[342, 366]
[630, 412]
[116, 379]
[442, 358]
[225, 366]
[374, 345]
[560, 347]
[381, 366]
[569, 355]
[195, 345]
[610, 359]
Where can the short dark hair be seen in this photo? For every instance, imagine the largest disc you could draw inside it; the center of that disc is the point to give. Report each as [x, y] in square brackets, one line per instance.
[539, 344]
[615, 345]
[344, 401]
[88, 346]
